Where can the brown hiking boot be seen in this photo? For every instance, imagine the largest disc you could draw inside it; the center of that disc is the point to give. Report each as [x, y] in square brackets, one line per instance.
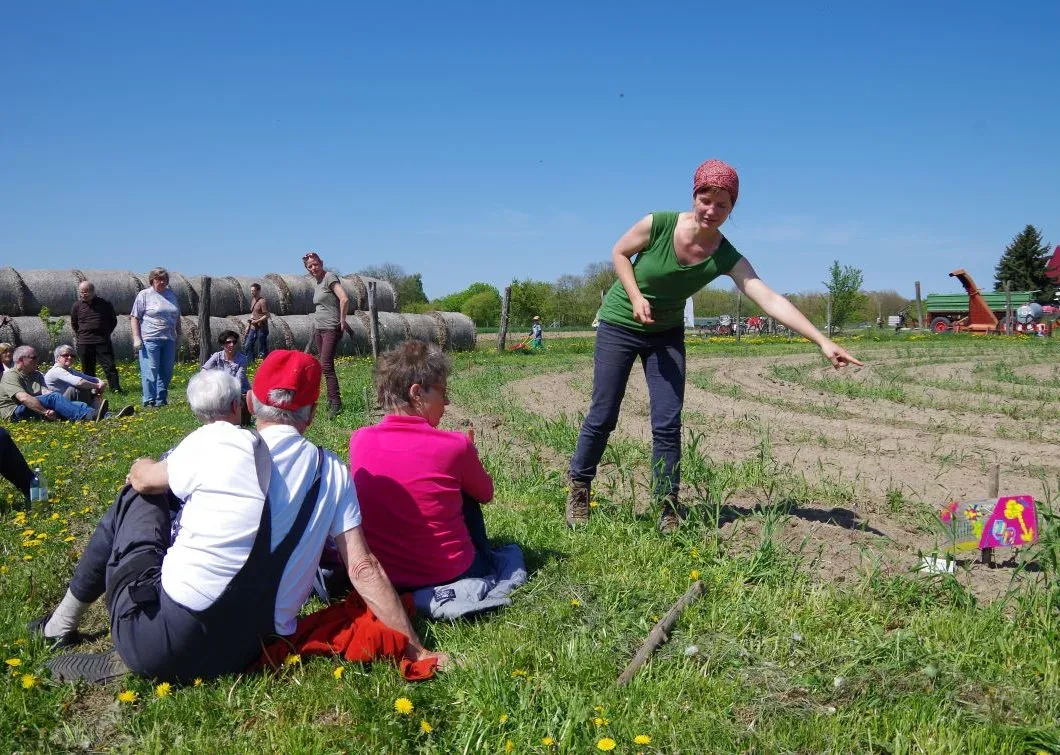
[578, 503]
[673, 516]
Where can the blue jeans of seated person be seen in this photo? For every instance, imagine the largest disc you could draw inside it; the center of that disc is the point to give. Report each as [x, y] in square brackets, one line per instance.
[662, 356]
[156, 370]
[71, 410]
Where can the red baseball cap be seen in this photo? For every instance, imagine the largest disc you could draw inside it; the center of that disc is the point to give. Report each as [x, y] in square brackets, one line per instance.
[290, 371]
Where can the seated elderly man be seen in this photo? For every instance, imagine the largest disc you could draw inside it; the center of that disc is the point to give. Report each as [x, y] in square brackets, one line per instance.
[257, 511]
[24, 395]
[73, 384]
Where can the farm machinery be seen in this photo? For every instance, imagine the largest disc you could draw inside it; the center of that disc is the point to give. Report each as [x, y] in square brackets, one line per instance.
[978, 312]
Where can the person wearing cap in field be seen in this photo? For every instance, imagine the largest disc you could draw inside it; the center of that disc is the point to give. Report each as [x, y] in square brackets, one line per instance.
[535, 333]
[257, 510]
[676, 254]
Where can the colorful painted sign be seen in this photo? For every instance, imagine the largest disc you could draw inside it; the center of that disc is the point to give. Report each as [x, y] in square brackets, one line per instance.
[1003, 522]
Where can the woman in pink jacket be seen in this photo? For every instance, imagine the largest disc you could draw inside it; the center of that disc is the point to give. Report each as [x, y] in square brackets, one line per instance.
[420, 487]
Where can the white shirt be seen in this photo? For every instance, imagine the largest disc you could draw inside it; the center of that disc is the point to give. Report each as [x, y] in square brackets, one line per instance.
[213, 472]
[60, 378]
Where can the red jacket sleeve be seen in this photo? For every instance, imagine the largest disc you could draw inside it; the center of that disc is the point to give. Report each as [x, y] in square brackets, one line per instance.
[476, 481]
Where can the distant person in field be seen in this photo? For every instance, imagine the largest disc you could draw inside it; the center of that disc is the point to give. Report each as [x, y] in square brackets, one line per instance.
[676, 254]
[93, 320]
[257, 339]
[7, 357]
[73, 384]
[329, 323]
[536, 341]
[155, 321]
[420, 488]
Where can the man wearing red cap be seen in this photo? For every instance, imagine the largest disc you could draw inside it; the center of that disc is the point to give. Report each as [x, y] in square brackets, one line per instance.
[257, 511]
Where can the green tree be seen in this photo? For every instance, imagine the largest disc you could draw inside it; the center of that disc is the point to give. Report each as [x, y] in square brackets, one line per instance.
[484, 307]
[531, 298]
[455, 302]
[844, 285]
[1023, 265]
[410, 293]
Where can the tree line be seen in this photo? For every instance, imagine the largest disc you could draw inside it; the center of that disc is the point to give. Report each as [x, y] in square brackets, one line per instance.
[572, 300]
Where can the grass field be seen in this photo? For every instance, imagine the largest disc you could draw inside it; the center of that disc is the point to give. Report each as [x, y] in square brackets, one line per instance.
[814, 496]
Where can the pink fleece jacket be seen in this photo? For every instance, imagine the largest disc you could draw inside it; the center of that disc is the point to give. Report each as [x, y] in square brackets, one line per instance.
[410, 480]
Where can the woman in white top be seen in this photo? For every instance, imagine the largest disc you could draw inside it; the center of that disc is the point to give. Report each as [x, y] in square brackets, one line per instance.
[155, 321]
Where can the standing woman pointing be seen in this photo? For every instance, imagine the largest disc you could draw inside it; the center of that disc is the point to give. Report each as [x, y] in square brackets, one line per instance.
[329, 323]
[677, 254]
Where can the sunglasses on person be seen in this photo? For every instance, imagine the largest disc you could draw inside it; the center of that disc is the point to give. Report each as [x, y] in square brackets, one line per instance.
[230, 342]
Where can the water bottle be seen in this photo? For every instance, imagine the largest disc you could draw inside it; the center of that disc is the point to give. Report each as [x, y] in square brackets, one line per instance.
[38, 488]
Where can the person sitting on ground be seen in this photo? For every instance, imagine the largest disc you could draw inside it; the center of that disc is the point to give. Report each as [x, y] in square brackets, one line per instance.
[73, 384]
[24, 395]
[257, 511]
[7, 357]
[422, 520]
[13, 466]
[230, 359]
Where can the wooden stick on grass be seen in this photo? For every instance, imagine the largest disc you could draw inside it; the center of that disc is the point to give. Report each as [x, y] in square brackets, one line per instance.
[659, 633]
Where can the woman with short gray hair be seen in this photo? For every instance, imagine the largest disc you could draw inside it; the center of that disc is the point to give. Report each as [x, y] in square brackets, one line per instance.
[73, 384]
[155, 323]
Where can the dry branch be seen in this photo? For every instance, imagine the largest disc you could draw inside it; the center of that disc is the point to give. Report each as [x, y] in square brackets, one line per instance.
[660, 632]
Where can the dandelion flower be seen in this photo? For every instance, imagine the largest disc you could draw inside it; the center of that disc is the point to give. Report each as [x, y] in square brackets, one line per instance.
[606, 744]
[403, 706]
[642, 739]
[127, 696]
[163, 689]
[694, 574]
[548, 741]
[509, 746]
[425, 727]
[598, 721]
[197, 682]
[504, 718]
[292, 660]
[338, 672]
[13, 662]
[29, 681]
[575, 602]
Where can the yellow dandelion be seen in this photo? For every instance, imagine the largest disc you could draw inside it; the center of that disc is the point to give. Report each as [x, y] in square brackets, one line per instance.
[599, 721]
[548, 741]
[69, 539]
[425, 727]
[128, 696]
[598, 708]
[509, 746]
[403, 706]
[642, 739]
[694, 574]
[27, 558]
[163, 689]
[292, 660]
[518, 672]
[29, 681]
[606, 744]
[575, 602]
[338, 672]
[593, 504]
[197, 682]
[13, 662]
[504, 718]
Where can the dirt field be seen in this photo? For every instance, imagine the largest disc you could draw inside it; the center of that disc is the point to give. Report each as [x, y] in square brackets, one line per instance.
[902, 459]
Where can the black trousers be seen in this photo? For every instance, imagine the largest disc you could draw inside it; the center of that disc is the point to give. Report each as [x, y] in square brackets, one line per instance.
[13, 464]
[89, 353]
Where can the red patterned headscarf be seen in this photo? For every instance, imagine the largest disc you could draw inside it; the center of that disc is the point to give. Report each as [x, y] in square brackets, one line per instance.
[716, 173]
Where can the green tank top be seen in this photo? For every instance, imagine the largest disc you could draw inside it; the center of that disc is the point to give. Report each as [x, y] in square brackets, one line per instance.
[664, 281]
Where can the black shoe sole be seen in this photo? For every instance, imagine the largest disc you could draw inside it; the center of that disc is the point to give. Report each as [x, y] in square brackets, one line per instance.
[94, 668]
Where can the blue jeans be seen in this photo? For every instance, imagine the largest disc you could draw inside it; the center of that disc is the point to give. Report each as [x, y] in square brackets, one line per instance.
[71, 410]
[156, 370]
[663, 358]
[256, 337]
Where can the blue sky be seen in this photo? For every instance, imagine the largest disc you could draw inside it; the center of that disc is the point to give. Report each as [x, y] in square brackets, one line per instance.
[495, 140]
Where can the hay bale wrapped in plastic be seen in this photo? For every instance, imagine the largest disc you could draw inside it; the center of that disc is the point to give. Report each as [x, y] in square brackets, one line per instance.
[460, 333]
[356, 287]
[31, 331]
[25, 292]
[186, 290]
[423, 328]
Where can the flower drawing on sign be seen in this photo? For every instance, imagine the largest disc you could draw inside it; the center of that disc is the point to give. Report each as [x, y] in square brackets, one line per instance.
[1014, 510]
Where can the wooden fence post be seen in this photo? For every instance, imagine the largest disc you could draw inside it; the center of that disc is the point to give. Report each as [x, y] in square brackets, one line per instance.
[993, 491]
[205, 338]
[919, 308]
[503, 334]
[373, 320]
[739, 296]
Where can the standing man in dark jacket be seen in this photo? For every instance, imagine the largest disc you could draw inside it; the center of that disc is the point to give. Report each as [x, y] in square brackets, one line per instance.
[93, 320]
